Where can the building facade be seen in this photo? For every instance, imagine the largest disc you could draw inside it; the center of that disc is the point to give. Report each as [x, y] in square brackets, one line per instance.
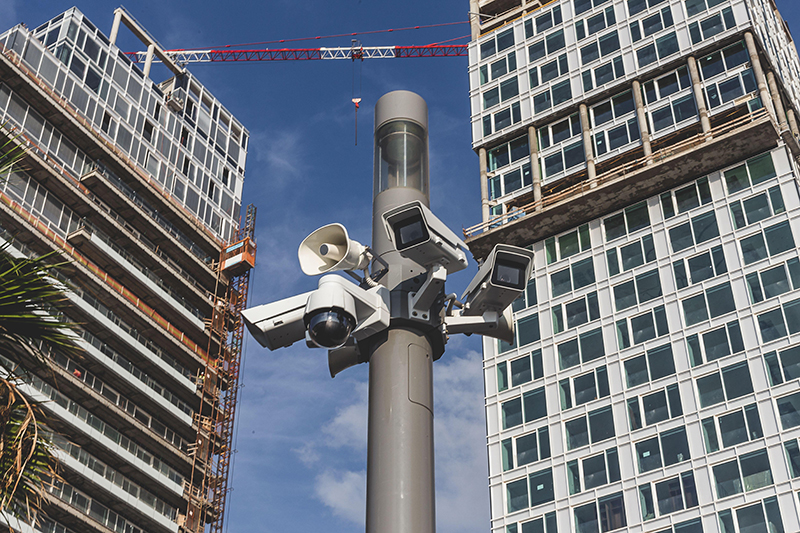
[137, 184]
[647, 151]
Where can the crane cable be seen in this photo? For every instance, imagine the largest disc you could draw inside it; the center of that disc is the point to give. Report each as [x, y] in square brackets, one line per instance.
[356, 52]
[390, 30]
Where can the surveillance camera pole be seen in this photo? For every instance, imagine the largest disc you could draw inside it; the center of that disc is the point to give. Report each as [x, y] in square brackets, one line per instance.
[400, 467]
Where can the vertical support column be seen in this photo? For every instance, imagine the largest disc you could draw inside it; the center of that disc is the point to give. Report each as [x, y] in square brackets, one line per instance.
[698, 95]
[758, 71]
[587, 146]
[148, 62]
[776, 100]
[641, 118]
[115, 26]
[475, 18]
[792, 123]
[536, 174]
[484, 184]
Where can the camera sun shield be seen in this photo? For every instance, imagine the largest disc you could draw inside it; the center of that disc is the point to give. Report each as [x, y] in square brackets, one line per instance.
[501, 278]
[418, 235]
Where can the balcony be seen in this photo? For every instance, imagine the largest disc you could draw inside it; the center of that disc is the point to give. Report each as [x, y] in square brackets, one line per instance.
[625, 184]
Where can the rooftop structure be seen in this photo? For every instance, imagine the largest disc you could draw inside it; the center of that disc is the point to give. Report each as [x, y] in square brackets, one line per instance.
[646, 151]
[138, 185]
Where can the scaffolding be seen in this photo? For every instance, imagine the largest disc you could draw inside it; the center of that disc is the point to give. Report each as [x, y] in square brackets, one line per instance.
[207, 489]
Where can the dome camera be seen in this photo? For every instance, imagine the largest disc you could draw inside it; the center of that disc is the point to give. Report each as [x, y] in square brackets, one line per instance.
[330, 328]
[330, 314]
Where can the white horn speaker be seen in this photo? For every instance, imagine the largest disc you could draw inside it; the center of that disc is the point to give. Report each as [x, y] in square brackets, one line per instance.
[328, 249]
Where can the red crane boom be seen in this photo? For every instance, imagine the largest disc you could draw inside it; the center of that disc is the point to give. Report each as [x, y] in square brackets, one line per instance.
[307, 54]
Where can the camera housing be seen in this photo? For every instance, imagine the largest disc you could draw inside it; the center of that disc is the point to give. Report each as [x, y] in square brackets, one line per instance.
[418, 235]
[502, 277]
[278, 324]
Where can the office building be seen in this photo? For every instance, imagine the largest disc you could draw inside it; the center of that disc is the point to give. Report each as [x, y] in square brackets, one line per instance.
[647, 151]
[137, 183]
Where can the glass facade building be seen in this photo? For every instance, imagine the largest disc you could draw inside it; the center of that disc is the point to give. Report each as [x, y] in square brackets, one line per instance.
[646, 151]
[138, 185]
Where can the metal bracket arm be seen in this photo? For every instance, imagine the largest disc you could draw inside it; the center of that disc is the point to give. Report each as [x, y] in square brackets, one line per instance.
[422, 300]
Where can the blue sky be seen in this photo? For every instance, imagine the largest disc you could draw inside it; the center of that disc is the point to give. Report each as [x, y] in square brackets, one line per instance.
[301, 447]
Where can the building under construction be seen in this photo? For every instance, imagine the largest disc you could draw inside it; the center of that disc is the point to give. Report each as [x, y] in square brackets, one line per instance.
[137, 184]
[647, 151]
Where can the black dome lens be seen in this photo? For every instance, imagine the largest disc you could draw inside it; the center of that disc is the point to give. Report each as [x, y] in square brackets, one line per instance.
[330, 329]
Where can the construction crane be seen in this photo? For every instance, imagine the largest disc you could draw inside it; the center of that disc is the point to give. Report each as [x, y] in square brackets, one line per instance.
[183, 57]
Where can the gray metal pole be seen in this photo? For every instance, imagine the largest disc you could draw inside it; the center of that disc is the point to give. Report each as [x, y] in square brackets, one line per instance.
[400, 467]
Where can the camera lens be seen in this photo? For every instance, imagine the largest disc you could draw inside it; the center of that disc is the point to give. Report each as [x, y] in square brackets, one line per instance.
[330, 328]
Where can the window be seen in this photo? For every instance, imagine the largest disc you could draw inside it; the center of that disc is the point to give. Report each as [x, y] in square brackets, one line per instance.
[654, 364]
[555, 41]
[545, 524]
[666, 85]
[693, 7]
[712, 25]
[743, 474]
[595, 427]
[594, 471]
[668, 448]
[700, 267]
[715, 301]
[595, 23]
[565, 159]
[741, 83]
[677, 111]
[581, 6]
[525, 449]
[637, 6]
[584, 388]
[549, 71]
[783, 366]
[686, 198]
[644, 328]
[508, 153]
[770, 282]
[672, 495]
[605, 45]
[772, 240]
[499, 68]
[586, 347]
[716, 344]
[751, 518]
[651, 24]
[642, 288]
[792, 457]
[664, 46]
[616, 137]
[789, 410]
[517, 495]
[541, 491]
[755, 170]
[632, 255]
[523, 370]
[502, 119]
[732, 428]
[736, 380]
[504, 40]
[576, 313]
[569, 244]
[560, 131]
[579, 274]
[633, 218]
[533, 403]
[757, 208]
[657, 406]
[558, 94]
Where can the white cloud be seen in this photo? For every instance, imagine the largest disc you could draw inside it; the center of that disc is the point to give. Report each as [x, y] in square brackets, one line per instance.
[349, 427]
[345, 493]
